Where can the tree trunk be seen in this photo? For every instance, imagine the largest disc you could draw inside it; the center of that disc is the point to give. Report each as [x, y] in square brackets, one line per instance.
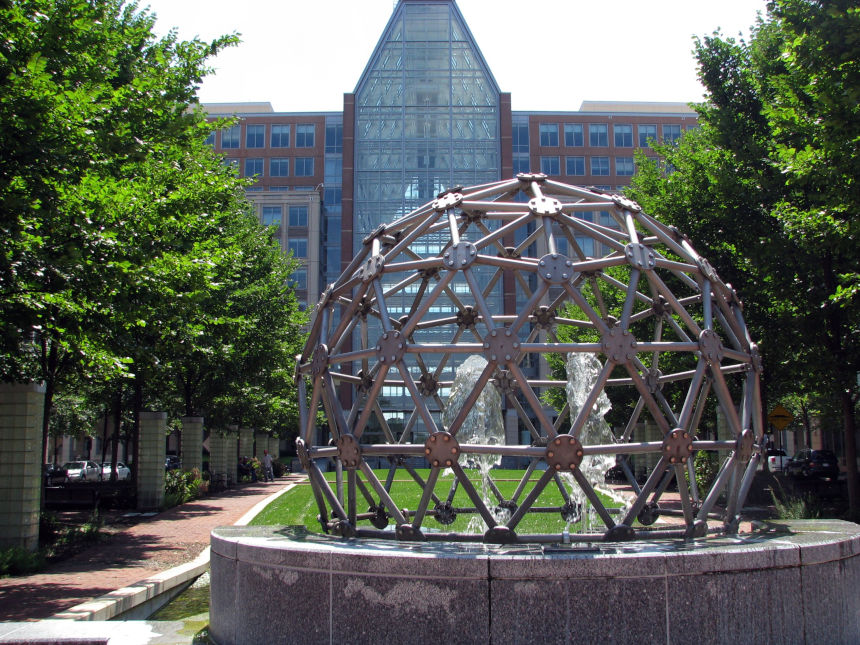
[137, 404]
[49, 369]
[850, 428]
[117, 419]
[104, 444]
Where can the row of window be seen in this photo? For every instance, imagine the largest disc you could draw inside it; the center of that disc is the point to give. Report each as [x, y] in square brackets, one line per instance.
[279, 136]
[575, 166]
[297, 215]
[598, 134]
[278, 166]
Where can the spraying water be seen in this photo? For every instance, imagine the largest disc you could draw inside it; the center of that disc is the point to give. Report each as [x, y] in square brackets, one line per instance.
[583, 370]
[483, 424]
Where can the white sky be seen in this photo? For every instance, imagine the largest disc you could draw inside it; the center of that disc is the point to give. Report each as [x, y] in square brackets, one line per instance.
[303, 55]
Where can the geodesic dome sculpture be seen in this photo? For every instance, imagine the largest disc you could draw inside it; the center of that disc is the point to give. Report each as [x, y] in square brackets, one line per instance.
[434, 349]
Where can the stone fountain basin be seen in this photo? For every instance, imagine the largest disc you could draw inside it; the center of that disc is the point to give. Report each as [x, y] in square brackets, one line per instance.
[792, 581]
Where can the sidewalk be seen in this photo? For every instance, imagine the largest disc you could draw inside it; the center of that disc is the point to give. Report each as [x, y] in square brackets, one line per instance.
[153, 544]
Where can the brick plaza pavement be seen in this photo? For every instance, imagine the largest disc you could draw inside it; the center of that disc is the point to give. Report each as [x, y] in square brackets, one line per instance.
[150, 545]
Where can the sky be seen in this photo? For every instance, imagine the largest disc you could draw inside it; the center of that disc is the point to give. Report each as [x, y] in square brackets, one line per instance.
[301, 56]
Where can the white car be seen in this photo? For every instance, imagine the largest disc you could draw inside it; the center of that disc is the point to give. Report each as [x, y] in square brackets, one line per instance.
[123, 472]
[776, 460]
[82, 471]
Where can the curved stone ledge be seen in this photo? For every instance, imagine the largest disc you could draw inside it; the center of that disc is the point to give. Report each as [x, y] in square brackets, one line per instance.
[792, 582]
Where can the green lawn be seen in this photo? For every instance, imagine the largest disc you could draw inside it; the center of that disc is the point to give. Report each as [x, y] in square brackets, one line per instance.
[298, 506]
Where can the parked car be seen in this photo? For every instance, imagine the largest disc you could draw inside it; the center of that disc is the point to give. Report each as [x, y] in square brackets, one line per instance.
[819, 464]
[776, 460]
[54, 474]
[123, 472]
[172, 462]
[82, 471]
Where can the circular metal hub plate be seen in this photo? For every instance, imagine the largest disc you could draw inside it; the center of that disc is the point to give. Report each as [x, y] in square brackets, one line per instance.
[564, 453]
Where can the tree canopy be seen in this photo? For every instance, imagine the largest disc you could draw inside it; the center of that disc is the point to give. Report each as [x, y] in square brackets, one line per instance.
[130, 254]
[767, 188]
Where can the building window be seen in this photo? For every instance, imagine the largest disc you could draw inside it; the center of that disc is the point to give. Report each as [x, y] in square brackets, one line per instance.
[233, 163]
[279, 167]
[521, 138]
[305, 134]
[671, 133]
[334, 168]
[279, 189]
[550, 166]
[624, 166]
[255, 136]
[334, 138]
[521, 164]
[647, 132]
[298, 215]
[230, 137]
[598, 135]
[271, 216]
[299, 247]
[623, 135]
[573, 134]
[574, 166]
[210, 139]
[280, 136]
[600, 166]
[304, 165]
[300, 279]
[549, 134]
[253, 167]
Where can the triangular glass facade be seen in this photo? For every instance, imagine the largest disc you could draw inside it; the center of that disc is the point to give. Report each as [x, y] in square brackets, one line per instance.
[426, 115]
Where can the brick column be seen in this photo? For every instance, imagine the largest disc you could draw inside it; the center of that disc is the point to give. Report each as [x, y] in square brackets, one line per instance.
[150, 460]
[21, 406]
[192, 443]
[246, 442]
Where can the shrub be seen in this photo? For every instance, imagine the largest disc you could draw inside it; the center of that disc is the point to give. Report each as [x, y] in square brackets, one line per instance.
[181, 486]
[278, 468]
[17, 561]
[706, 465]
[799, 507]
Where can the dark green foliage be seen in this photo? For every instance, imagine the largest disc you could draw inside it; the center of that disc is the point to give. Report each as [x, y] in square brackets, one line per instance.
[767, 189]
[181, 486]
[133, 271]
[17, 561]
[278, 468]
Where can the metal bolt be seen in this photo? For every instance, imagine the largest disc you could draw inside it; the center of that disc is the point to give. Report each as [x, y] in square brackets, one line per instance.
[564, 275]
[573, 466]
[558, 466]
[493, 357]
[571, 441]
[426, 451]
[550, 454]
[507, 332]
[507, 357]
[435, 462]
[543, 263]
[516, 345]
[579, 453]
[385, 336]
[393, 358]
[447, 438]
[453, 451]
[549, 276]
[447, 462]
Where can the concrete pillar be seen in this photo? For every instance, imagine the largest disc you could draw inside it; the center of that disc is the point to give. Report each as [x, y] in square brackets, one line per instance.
[246, 442]
[216, 454]
[192, 443]
[21, 406]
[261, 443]
[150, 464]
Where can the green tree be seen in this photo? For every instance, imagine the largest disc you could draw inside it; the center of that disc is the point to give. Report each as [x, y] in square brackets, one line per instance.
[768, 189]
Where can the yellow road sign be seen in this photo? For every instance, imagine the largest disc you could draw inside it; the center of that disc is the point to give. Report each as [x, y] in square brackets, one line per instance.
[779, 417]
